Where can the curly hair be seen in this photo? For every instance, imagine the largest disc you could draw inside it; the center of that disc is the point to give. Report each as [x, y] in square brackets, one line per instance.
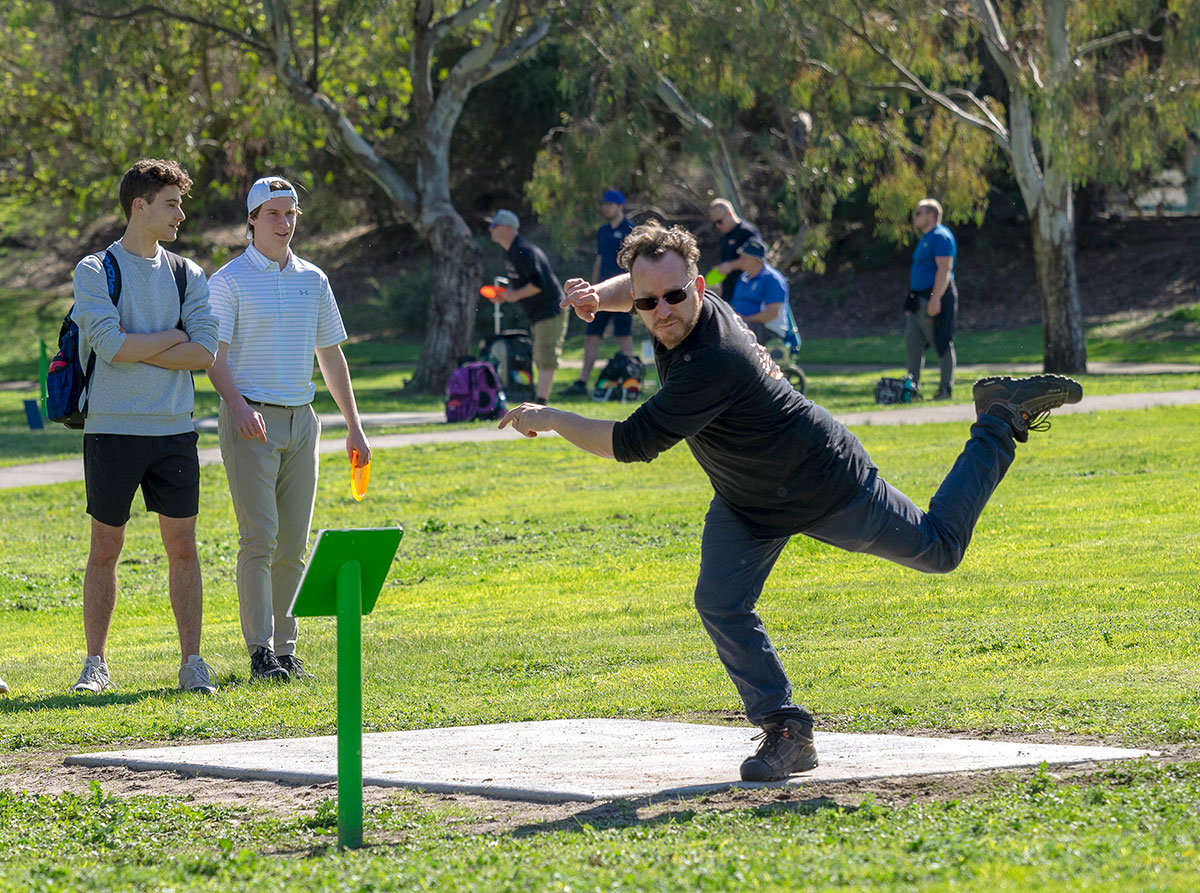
[652, 240]
[147, 177]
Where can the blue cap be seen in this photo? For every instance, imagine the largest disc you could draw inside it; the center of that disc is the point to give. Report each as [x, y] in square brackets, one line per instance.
[753, 248]
[616, 196]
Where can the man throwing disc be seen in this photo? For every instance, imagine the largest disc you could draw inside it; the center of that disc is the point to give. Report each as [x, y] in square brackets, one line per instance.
[779, 464]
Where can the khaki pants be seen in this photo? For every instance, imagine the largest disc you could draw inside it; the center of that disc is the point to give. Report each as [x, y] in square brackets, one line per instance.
[274, 487]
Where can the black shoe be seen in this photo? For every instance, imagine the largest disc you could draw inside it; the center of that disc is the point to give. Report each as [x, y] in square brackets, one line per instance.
[785, 749]
[294, 667]
[578, 389]
[942, 394]
[1025, 402]
[264, 665]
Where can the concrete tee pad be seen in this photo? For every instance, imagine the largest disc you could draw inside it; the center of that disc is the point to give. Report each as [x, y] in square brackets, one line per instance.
[588, 759]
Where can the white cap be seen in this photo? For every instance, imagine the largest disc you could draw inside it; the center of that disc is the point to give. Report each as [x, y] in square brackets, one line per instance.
[265, 189]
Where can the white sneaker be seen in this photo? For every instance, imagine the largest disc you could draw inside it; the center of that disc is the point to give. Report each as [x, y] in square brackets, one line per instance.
[196, 675]
[94, 677]
[3, 687]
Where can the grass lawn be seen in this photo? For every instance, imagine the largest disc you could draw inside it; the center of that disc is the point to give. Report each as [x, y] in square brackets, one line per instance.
[537, 582]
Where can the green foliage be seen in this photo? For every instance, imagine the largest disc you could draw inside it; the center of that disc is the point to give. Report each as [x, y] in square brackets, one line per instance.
[73, 86]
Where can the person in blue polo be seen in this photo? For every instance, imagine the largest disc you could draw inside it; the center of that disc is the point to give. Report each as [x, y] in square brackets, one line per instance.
[760, 293]
[932, 306]
[608, 242]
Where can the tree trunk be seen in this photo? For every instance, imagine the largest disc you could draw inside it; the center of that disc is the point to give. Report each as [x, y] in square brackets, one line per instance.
[1053, 225]
[457, 272]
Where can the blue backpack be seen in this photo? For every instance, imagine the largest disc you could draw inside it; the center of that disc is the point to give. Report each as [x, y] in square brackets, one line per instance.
[66, 379]
[473, 392]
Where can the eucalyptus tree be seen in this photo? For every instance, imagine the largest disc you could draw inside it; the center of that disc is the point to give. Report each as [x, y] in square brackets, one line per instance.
[1088, 90]
[80, 101]
[385, 83]
[701, 98]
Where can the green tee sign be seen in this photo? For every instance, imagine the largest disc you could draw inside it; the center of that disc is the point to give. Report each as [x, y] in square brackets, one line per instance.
[345, 573]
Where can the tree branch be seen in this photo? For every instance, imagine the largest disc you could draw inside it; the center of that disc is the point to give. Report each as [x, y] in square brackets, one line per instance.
[1120, 37]
[463, 17]
[988, 123]
[241, 37]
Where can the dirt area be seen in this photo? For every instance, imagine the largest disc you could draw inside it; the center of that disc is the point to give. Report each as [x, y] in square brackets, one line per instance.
[1124, 267]
[44, 772]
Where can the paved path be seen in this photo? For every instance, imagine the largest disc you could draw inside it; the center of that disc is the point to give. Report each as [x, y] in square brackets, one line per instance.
[61, 471]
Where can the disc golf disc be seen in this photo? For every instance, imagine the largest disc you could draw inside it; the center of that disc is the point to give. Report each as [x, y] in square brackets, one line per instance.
[360, 477]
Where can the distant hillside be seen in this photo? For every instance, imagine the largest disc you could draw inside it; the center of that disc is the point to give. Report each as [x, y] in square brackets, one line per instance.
[1132, 265]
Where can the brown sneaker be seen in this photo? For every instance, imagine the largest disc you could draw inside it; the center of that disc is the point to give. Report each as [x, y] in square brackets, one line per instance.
[1025, 402]
[785, 749]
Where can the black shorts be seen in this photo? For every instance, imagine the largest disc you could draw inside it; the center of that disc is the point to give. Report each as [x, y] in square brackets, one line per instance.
[166, 467]
[622, 323]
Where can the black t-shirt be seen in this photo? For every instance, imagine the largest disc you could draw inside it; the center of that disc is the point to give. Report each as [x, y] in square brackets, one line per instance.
[526, 263]
[779, 461]
[730, 243]
[736, 238]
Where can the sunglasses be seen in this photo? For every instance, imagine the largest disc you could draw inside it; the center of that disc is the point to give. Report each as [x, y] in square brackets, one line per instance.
[674, 296]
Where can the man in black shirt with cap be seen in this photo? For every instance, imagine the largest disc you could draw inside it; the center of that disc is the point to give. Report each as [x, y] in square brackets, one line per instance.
[779, 465]
[533, 284]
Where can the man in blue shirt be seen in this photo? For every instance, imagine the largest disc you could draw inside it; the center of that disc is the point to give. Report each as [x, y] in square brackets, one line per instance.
[932, 305]
[608, 242]
[760, 293]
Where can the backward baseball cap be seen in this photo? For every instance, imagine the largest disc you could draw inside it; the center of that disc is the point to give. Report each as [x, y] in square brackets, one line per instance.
[504, 217]
[265, 189]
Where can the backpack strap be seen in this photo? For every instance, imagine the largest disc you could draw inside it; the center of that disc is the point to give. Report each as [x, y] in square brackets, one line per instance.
[179, 271]
[112, 273]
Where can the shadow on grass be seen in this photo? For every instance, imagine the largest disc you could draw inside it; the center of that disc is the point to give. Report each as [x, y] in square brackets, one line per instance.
[70, 700]
[624, 813]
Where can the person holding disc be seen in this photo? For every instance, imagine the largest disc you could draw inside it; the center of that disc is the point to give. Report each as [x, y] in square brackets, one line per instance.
[275, 311]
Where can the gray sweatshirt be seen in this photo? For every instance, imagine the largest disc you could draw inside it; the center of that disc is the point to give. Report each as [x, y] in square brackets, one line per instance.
[137, 398]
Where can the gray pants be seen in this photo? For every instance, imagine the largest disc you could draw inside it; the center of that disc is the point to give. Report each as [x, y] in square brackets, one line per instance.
[274, 487]
[920, 334]
[880, 520]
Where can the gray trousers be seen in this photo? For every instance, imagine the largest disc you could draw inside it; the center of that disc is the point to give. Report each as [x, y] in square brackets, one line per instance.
[920, 333]
[274, 488]
[879, 520]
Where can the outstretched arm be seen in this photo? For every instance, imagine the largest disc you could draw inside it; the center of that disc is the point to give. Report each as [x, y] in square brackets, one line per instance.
[587, 299]
[593, 435]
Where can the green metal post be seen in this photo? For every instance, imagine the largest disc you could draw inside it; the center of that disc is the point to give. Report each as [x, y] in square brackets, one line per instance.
[44, 370]
[349, 704]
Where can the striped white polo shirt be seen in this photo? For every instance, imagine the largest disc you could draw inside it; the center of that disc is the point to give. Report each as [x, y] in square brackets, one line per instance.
[273, 321]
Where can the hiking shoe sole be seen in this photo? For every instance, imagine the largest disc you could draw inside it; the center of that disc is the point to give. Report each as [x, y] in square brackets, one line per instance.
[1025, 402]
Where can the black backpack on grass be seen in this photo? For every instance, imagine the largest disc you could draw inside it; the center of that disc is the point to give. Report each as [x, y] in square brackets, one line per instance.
[66, 379]
[620, 379]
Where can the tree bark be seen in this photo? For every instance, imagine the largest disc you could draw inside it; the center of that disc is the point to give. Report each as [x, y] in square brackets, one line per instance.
[1053, 226]
[450, 321]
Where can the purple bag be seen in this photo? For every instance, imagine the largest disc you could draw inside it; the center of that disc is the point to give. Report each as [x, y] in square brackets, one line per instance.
[473, 392]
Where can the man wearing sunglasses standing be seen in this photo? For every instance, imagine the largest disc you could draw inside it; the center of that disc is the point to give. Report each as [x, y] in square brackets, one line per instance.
[932, 306]
[779, 464]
